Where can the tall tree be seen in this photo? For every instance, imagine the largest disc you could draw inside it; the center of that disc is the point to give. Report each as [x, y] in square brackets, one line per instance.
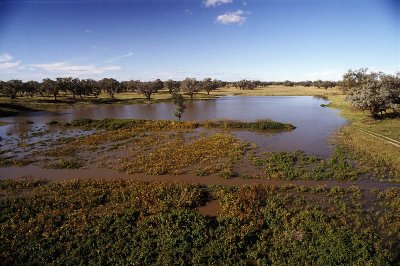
[12, 87]
[31, 87]
[109, 85]
[209, 85]
[50, 86]
[171, 85]
[150, 87]
[190, 86]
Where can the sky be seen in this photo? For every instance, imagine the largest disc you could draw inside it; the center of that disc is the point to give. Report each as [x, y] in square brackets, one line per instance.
[269, 40]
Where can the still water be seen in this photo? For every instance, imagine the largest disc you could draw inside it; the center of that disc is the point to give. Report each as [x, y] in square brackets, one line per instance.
[314, 124]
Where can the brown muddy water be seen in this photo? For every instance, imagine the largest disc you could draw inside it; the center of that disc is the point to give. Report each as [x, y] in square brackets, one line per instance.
[314, 124]
[56, 175]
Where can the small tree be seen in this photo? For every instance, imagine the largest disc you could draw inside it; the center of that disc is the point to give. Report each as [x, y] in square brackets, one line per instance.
[177, 99]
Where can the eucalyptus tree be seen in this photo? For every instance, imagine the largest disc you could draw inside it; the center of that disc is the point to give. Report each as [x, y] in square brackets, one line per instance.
[12, 87]
[88, 87]
[131, 85]
[171, 85]
[190, 86]
[31, 87]
[374, 92]
[50, 87]
[109, 85]
[150, 87]
[209, 85]
[64, 84]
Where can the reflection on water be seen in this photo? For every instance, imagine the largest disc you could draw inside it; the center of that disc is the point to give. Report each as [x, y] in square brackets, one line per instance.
[314, 124]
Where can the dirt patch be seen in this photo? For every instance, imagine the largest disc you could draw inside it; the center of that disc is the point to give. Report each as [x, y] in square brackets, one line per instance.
[211, 209]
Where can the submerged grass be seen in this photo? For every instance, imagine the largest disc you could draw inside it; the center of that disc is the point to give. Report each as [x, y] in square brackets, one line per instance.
[298, 165]
[113, 124]
[203, 155]
[125, 222]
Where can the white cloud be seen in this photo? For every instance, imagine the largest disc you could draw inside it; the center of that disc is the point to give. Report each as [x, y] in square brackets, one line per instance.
[237, 17]
[118, 57]
[212, 3]
[68, 69]
[5, 57]
[10, 65]
[6, 63]
[89, 31]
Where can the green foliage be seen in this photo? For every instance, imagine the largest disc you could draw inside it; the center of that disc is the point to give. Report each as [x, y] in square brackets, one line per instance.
[298, 165]
[375, 92]
[126, 222]
[257, 125]
[112, 124]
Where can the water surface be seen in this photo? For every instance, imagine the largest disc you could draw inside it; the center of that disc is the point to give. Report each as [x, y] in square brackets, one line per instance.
[314, 124]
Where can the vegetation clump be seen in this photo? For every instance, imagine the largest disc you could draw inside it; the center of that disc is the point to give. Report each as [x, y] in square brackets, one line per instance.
[179, 155]
[374, 92]
[298, 165]
[257, 125]
[112, 124]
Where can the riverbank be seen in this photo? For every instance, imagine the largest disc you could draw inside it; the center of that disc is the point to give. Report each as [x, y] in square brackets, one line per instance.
[25, 104]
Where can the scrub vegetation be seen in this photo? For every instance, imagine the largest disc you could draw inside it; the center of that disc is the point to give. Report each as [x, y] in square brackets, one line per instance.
[126, 222]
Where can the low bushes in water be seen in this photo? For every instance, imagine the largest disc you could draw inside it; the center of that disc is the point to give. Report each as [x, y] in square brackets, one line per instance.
[112, 124]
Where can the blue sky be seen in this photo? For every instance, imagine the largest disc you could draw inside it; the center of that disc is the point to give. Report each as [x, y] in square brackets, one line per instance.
[224, 39]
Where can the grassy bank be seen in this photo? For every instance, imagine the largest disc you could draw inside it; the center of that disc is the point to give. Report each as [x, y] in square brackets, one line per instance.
[125, 222]
[365, 146]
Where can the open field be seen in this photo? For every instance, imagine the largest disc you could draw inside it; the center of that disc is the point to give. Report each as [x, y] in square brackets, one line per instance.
[278, 91]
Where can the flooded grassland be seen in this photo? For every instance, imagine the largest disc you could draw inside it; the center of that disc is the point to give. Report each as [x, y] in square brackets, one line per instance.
[228, 185]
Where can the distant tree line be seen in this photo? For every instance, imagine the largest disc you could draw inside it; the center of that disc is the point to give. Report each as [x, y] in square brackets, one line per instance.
[375, 92]
[81, 88]
[252, 84]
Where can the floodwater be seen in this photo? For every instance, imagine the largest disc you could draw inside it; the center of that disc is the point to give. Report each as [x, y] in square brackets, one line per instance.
[314, 124]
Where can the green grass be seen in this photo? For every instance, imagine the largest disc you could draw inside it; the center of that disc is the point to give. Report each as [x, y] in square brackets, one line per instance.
[368, 149]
